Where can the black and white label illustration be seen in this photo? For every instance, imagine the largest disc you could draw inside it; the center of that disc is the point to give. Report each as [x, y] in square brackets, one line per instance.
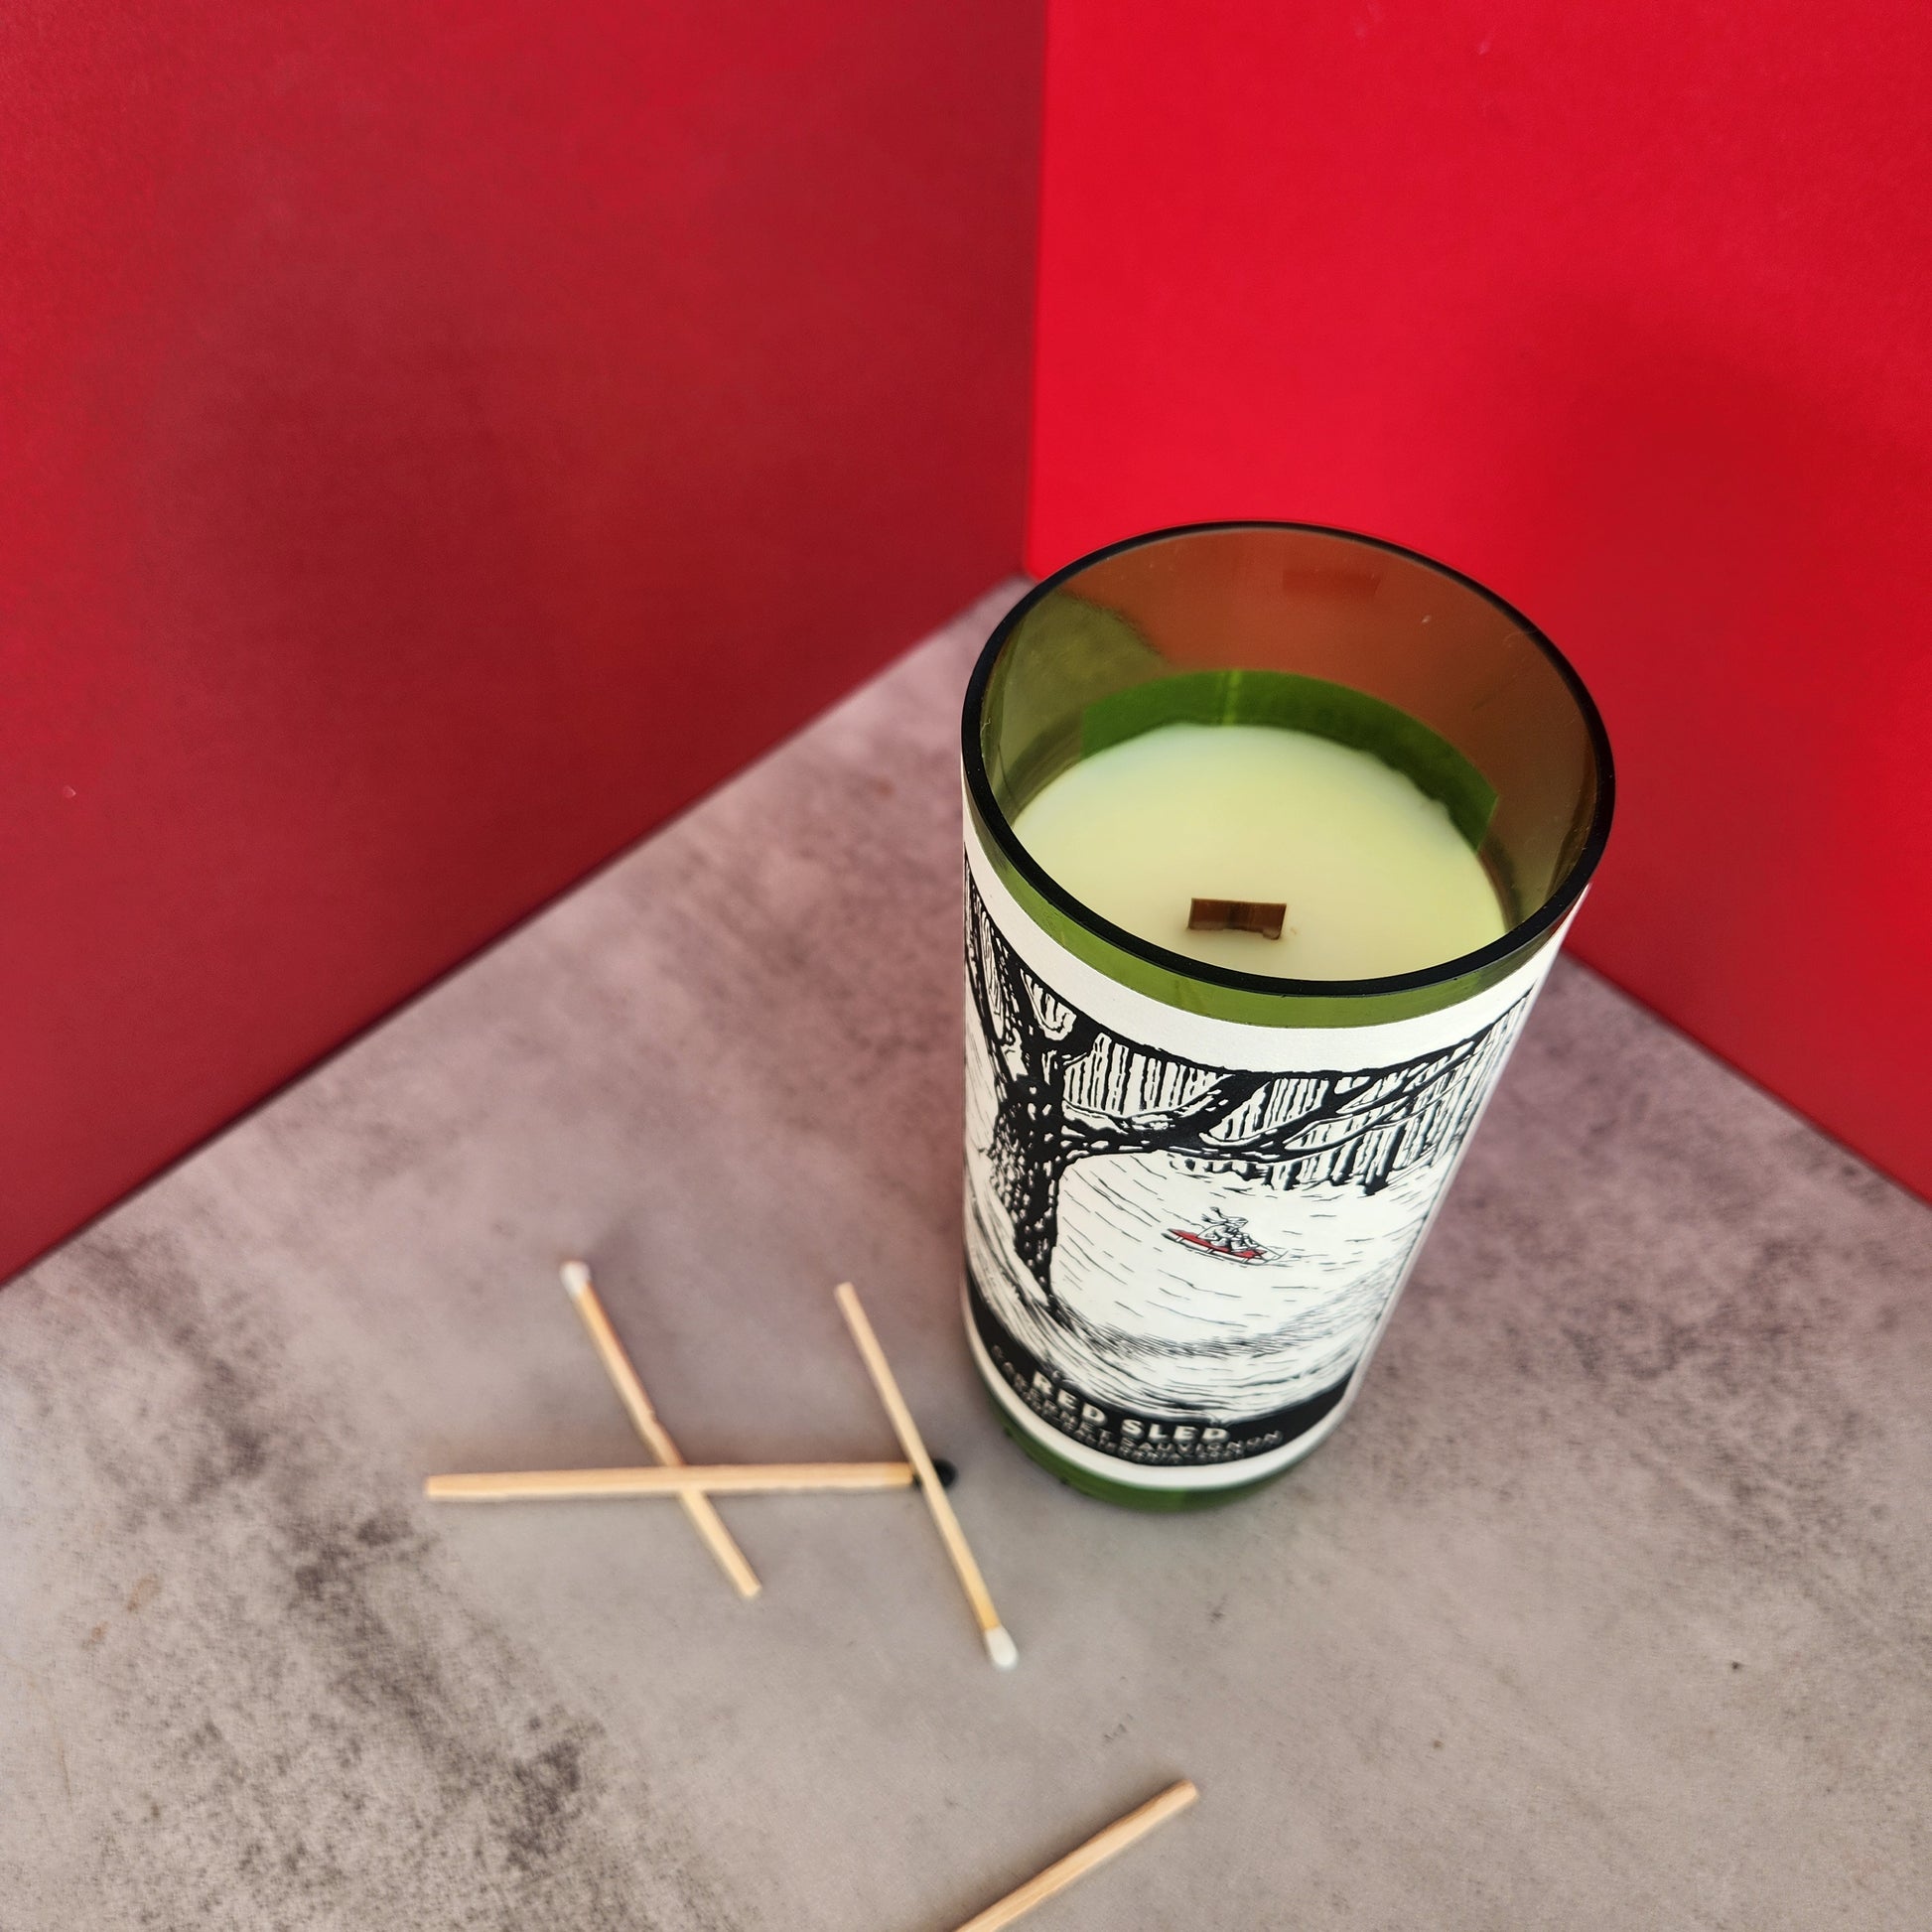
[1182, 1234]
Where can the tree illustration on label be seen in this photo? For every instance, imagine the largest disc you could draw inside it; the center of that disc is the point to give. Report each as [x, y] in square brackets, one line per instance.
[1067, 1090]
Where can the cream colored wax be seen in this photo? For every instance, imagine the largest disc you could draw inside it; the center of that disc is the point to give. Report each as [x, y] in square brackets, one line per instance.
[1376, 879]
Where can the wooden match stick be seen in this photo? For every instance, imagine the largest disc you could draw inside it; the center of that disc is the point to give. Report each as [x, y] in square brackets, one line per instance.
[617, 1364]
[1077, 1864]
[685, 1479]
[999, 1645]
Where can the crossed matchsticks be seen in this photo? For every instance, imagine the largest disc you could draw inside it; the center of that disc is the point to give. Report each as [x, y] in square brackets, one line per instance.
[694, 1486]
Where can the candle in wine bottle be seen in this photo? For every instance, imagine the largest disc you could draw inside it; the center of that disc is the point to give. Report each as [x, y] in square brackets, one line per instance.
[1272, 834]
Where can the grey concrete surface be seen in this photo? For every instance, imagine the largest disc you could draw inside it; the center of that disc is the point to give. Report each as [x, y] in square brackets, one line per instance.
[1607, 1609]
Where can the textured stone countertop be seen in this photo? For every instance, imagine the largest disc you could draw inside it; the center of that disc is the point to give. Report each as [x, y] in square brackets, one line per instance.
[1607, 1607]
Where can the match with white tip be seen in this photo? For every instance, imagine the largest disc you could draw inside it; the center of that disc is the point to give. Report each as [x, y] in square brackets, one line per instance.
[631, 1392]
[999, 1645]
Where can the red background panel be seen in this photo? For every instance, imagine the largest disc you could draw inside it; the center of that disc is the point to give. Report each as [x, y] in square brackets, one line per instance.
[439, 441]
[1624, 311]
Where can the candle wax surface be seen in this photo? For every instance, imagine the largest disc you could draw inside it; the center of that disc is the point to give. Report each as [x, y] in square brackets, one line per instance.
[1376, 877]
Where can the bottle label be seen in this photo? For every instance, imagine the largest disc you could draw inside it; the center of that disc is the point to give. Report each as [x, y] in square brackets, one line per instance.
[1185, 1234]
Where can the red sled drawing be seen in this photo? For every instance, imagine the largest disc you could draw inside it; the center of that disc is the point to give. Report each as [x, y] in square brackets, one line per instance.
[1227, 1236]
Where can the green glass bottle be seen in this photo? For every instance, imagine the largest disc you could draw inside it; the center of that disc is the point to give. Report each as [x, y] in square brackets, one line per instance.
[1195, 1184]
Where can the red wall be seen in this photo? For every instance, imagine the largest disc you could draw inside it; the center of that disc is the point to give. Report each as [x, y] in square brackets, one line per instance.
[438, 443]
[1623, 309]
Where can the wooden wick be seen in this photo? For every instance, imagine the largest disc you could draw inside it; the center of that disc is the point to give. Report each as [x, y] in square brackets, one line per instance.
[1077, 1864]
[684, 1479]
[999, 1645]
[1265, 916]
[631, 1391]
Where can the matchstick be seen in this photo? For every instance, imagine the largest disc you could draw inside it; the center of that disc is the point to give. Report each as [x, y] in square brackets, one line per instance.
[631, 1391]
[999, 1645]
[684, 1479]
[1077, 1864]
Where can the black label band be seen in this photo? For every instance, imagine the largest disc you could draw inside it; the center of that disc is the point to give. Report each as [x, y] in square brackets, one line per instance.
[1129, 1435]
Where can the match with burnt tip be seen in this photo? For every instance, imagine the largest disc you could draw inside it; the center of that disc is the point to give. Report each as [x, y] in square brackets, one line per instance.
[686, 1479]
